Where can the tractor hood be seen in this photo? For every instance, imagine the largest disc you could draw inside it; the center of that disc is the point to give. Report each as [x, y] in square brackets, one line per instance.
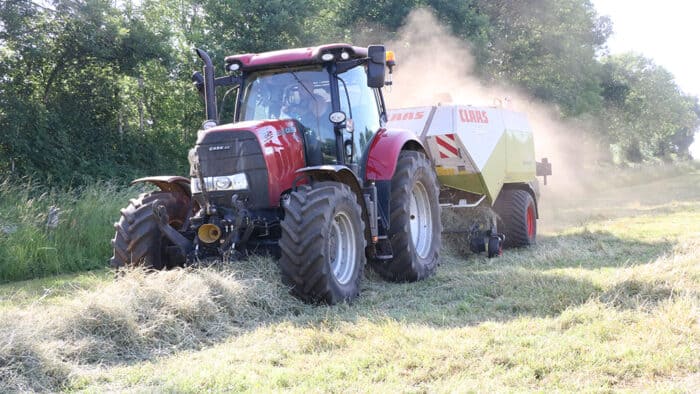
[255, 160]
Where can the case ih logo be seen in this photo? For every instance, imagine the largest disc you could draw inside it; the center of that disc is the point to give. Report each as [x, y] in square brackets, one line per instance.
[472, 116]
[447, 146]
[269, 133]
[406, 116]
[219, 147]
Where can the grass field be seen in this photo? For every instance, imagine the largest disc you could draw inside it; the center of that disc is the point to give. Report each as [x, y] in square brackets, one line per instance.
[609, 300]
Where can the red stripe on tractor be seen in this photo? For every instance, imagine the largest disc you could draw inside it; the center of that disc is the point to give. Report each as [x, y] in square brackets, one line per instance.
[447, 146]
[450, 136]
[443, 156]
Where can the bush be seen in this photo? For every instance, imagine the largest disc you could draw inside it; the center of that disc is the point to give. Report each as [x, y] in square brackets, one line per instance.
[31, 248]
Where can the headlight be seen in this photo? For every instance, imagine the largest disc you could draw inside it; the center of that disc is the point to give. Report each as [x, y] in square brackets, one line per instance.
[239, 181]
[222, 183]
[218, 183]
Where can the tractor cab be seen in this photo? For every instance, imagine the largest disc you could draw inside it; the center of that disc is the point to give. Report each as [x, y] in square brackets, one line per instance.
[331, 92]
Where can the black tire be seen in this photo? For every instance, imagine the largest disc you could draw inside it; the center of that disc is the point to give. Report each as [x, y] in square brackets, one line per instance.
[517, 218]
[495, 247]
[138, 240]
[415, 255]
[323, 243]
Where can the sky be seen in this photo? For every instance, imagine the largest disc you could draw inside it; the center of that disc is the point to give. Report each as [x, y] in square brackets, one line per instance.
[666, 31]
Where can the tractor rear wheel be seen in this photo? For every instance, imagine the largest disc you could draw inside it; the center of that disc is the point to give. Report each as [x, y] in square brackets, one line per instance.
[323, 243]
[138, 240]
[518, 218]
[415, 228]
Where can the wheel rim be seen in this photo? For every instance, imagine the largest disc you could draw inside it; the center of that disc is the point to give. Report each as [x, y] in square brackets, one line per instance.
[421, 220]
[342, 248]
[531, 221]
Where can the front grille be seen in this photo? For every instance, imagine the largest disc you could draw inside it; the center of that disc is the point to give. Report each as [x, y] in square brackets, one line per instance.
[231, 152]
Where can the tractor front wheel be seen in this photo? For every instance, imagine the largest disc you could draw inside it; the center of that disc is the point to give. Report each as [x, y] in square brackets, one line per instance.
[323, 243]
[138, 240]
[415, 228]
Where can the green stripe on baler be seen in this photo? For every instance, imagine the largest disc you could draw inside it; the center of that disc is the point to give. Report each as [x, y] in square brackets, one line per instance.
[520, 156]
[494, 170]
[489, 181]
[464, 181]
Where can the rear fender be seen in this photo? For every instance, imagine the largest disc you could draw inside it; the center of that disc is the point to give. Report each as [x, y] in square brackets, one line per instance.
[168, 183]
[384, 150]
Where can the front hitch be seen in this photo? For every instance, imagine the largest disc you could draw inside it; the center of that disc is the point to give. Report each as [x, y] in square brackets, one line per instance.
[163, 220]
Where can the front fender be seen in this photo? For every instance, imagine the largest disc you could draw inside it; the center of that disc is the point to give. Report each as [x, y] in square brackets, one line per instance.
[336, 173]
[333, 172]
[341, 174]
[384, 152]
[168, 183]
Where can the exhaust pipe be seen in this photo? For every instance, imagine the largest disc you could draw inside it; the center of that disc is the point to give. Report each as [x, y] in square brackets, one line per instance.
[209, 92]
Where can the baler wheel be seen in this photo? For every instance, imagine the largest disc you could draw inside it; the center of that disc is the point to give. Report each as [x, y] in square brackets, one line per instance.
[415, 228]
[518, 220]
[138, 240]
[323, 243]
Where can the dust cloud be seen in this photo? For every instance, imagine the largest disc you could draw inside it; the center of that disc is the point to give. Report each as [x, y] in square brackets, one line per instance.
[436, 67]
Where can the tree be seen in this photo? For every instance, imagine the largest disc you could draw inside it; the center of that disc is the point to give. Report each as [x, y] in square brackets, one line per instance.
[255, 26]
[646, 114]
[62, 91]
[548, 47]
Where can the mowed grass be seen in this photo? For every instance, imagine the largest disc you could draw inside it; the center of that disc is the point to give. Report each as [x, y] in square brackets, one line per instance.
[609, 300]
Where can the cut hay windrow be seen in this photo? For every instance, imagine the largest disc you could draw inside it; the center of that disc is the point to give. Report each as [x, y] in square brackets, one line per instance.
[138, 316]
[458, 224]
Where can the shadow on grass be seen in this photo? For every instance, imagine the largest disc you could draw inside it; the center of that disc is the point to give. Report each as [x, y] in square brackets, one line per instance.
[638, 295]
[460, 297]
[527, 282]
[585, 249]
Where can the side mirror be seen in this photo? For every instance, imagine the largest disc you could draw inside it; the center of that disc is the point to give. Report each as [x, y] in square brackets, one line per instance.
[376, 66]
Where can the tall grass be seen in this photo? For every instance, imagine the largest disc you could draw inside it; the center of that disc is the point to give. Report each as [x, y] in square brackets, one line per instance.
[30, 248]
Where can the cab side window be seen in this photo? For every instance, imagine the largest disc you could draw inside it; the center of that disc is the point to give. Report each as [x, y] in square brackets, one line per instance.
[363, 108]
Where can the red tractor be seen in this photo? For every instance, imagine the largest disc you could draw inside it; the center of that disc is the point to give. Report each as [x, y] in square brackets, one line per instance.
[307, 169]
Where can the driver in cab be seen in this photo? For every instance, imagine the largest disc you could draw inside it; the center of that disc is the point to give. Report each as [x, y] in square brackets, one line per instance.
[304, 103]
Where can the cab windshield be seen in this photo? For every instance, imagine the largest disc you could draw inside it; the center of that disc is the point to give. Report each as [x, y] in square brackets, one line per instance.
[298, 94]
[304, 94]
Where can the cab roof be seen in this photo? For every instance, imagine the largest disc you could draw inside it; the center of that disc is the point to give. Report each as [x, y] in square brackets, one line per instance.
[294, 56]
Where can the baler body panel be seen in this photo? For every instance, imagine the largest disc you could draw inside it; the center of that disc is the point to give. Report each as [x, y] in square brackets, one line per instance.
[475, 149]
